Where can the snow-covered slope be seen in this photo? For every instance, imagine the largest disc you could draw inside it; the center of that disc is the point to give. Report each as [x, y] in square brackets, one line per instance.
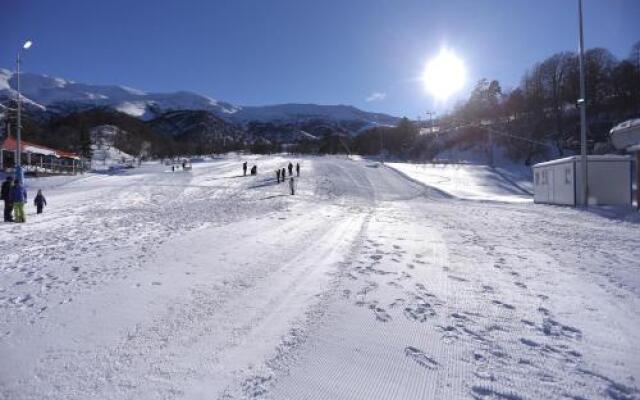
[206, 284]
[293, 111]
[59, 94]
[62, 95]
[469, 181]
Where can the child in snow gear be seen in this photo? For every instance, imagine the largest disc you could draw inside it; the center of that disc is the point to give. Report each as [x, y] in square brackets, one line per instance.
[298, 169]
[19, 197]
[292, 186]
[254, 170]
[244, 168]
[6, 197]
[278, 175]
[39, 201]
[290, 169]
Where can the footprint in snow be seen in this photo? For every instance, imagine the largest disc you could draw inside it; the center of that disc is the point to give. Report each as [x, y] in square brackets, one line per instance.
[504, 305]
[380, 313]
[419, 312]
[418, 356]
[530, 343]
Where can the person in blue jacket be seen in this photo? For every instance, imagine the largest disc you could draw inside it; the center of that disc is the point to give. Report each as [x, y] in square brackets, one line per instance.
[19, 198]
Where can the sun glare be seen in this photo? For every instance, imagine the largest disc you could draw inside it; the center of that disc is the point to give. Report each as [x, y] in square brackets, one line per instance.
[444, 75]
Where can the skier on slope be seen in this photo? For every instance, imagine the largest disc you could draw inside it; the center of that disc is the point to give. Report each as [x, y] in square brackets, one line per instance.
[290, 169]
[298, 169]
[278, 175]
[244, 168]
[6, 197]
[39, 201]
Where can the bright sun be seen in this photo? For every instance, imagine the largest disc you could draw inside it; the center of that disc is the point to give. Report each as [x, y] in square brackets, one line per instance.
[444, 75]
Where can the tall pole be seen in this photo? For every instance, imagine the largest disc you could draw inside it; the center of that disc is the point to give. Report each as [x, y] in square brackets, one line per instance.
[18, 170]
[583, 117]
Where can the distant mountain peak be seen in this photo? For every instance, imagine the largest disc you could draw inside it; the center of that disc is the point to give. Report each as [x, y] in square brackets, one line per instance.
[60, 95]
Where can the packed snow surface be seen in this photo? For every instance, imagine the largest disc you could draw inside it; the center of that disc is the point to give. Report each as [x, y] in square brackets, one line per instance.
[206, 284]
[471, 181]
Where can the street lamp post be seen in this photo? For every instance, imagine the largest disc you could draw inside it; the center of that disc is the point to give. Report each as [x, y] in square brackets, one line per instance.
[19, 173]
[582, 102]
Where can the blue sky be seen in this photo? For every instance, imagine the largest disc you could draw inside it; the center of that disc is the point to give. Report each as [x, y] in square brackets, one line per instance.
[368, 53]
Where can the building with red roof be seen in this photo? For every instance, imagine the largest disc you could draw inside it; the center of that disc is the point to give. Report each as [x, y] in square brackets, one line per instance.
[37, 158]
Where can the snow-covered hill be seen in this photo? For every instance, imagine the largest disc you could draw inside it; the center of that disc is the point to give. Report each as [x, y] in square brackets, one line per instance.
[294, 111]
[62, 95]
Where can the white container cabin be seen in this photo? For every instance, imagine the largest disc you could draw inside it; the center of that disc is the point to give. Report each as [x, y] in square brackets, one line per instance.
[559, 181]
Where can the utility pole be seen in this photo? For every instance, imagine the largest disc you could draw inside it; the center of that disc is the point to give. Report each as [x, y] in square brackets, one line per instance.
[582, 101]
[19, 175]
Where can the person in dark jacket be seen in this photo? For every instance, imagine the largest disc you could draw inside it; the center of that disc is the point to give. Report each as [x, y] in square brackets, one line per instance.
[278, 175]
[254, 170]
[290, 169]
[39, 201]
[283, 174]
[6, 197]
[19, 197]
[292, 186]
[244, 168]
[298, 169]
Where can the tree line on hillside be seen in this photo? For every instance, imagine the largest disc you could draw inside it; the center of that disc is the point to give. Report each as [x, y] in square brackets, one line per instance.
[542, 112]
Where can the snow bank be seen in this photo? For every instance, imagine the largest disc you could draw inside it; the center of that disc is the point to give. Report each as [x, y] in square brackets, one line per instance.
[472, 182]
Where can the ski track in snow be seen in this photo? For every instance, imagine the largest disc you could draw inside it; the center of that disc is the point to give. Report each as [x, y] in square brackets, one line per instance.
[365, 285]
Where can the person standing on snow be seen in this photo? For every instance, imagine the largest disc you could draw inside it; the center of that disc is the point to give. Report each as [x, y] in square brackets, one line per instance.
[19, 197]
[290, 169]
[254, 170]
[292, 186]
[39, 201]
[244, 168]
[278, 175]
[6, 197]
[283, 174]
[298, 170]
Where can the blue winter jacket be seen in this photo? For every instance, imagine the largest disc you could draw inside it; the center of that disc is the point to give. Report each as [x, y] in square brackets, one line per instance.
[18, 194]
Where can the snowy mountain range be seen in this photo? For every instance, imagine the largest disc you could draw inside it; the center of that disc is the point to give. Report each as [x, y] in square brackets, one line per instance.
[59, 95]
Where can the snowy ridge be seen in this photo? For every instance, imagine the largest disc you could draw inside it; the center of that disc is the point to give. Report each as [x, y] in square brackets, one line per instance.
[62, 95]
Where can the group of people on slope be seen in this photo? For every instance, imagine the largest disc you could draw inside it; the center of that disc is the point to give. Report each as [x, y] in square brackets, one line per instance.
[254, 169]
[14, 196]
[281, 175]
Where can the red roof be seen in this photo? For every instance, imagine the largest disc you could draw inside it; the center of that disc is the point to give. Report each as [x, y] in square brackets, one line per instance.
[9, 144]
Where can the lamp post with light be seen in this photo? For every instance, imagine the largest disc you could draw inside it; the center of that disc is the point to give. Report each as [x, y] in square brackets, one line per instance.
[19, 174]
